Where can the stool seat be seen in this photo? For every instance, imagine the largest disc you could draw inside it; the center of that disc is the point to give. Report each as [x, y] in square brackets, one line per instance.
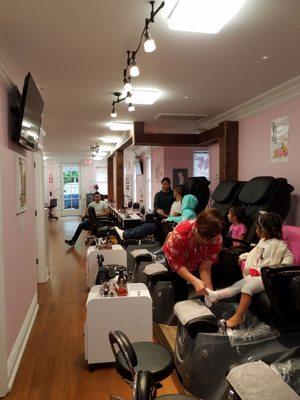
[151, 357]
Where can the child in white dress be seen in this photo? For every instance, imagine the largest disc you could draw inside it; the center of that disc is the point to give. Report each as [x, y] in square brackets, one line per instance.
[270, 250]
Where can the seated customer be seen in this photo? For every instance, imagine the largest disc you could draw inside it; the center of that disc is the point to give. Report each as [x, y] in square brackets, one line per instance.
[189, 203]
[101, 210]
[163, 199]
[237, 230]
[151, 227]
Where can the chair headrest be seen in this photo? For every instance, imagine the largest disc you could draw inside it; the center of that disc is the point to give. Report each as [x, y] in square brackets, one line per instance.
[256, 189]
[291, 235]
[225, 191]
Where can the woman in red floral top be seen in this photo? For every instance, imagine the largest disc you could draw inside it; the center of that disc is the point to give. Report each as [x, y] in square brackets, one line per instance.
[194, 246]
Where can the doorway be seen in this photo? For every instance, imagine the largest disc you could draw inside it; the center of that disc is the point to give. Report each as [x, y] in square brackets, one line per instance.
[71, 189]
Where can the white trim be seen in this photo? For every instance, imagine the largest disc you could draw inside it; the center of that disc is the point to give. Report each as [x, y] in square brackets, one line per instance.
[5, 80]
[17, 351]
[281, 94]
[3, 342]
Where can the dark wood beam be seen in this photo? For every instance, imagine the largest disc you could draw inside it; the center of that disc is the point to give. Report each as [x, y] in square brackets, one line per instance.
[165, 139]
[110, 179]
[229, 142]
[118, 162]
[210, 136]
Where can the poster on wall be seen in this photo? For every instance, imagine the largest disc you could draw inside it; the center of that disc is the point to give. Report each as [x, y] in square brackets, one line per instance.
[21, 195]
[201, 164]
[280, 140]
[179, 176]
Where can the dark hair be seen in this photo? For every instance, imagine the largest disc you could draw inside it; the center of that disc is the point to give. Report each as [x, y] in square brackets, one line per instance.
[209, 223]
[179, 189]
[239, 213]
[166, 179]
[270, 223]
[94, 194]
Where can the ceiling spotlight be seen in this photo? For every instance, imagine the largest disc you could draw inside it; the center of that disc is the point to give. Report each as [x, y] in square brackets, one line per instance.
[113, 111]
[134, 69]
[131, 107]
[126, 80]
[128, 98]
[149, 43]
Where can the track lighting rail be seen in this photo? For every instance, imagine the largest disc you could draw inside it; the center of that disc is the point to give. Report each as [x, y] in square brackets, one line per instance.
[132, 70]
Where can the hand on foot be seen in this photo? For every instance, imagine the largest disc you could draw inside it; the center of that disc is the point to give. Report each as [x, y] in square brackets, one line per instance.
[210, 298]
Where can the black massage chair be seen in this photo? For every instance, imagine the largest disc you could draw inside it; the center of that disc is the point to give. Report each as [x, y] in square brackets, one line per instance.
[204, 354]
[263, 193]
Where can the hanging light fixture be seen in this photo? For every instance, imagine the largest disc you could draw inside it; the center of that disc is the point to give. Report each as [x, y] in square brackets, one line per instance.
[134, 69]
[128, 98]
[149, 43]
[131, 107]
[113, 113]
[127, 84]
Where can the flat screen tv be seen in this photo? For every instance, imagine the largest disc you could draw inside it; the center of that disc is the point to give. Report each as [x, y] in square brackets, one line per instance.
[27, 131]
[138, 166]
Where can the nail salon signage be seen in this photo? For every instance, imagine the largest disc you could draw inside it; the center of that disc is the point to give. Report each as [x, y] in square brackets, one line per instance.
[280, 140]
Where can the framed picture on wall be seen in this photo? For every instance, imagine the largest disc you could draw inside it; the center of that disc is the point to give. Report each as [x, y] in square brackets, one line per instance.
[179, 176]
[21, 182]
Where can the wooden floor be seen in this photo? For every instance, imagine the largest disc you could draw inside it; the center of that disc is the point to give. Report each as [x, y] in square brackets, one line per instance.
[53, 365]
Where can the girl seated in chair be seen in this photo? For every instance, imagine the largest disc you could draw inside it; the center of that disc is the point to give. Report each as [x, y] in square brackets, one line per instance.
[270, 250]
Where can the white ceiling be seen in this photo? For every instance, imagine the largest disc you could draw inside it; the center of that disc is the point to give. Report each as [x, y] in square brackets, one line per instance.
[76, 49]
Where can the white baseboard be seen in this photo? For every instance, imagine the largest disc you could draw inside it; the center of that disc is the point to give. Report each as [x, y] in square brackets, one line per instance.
[17, 351]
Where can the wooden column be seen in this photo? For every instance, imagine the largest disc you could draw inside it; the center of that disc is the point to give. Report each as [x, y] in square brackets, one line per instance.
[110, 179]
[229, 144]
[118, 178]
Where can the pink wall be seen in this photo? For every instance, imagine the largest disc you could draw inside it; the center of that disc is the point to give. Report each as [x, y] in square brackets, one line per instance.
[254, 151]
[178, 157]
[19, 248]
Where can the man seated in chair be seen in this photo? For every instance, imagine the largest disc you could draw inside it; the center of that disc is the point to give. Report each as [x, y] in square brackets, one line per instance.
[101, 210]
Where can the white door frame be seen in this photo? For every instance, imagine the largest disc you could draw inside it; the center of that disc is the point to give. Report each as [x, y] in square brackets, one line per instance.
[42, 267]
[3, 333]
[64, 212]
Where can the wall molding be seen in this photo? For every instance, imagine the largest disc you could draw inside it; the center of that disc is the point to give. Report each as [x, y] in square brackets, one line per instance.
[17, 351]
[5, 80]
[281, 94]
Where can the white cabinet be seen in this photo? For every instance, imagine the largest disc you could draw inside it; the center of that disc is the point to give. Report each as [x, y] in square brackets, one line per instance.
[132, 314]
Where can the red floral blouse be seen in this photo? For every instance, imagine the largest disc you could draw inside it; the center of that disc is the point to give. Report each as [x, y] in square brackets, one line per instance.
[181, 249]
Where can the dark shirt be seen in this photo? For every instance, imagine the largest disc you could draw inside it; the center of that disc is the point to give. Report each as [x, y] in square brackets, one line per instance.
[163, 200]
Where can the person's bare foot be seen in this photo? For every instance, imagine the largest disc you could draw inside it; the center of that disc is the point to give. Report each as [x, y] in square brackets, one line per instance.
[234, 321]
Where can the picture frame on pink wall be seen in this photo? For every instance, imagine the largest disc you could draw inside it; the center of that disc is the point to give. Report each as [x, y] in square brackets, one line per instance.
[21, 184]
[179, 176]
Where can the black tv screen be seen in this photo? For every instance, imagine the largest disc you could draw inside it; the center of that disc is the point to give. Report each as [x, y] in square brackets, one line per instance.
[30, 115]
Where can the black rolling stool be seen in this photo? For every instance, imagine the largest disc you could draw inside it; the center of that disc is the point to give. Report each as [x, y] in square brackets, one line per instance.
[133, 357]
[145, 388]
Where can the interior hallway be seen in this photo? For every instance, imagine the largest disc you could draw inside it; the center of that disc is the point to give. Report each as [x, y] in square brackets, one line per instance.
[53, 365]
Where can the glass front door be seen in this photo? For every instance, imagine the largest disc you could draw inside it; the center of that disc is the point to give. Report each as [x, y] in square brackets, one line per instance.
[71, 190]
